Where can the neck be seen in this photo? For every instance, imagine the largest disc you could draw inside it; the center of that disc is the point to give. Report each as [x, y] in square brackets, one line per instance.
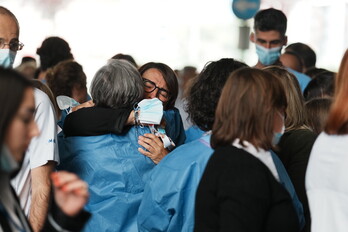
[259, 65]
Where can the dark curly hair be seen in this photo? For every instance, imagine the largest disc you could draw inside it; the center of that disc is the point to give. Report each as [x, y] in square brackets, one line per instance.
[52, 51]
[205, 91]
[66, 76]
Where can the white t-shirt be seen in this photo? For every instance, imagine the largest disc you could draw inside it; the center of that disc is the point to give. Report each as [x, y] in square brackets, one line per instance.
[327, 183]
[42, 148]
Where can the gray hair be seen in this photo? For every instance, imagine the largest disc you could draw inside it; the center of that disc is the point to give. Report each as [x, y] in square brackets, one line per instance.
[117, 84]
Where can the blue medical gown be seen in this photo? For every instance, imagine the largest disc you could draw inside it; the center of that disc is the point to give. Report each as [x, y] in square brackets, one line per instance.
[169, 196]
[193, 133]
[115, 172]
[174, 126]
[168, 201]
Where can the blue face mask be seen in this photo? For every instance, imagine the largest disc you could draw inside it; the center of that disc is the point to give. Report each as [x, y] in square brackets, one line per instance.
[7, 58]
[268, 56]
[277, 136]
[7, 162]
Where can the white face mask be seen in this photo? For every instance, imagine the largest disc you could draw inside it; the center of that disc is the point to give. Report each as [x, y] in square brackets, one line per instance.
[7, 58]
[151, 111]
[65, 102]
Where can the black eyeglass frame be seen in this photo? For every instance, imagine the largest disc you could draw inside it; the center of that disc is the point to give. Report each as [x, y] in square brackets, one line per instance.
[160, 90]
[14, 45]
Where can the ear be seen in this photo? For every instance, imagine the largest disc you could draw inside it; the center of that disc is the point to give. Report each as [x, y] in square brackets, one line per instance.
[252, 37]
[285, 40]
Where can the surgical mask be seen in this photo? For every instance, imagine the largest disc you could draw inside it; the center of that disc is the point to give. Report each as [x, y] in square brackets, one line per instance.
[7, 58]
[65, 102]
[7, 163]
[268, 56]
[150, 111]
[277, 136]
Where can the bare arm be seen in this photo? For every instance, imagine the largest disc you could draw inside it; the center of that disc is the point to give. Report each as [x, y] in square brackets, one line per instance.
[41, 188]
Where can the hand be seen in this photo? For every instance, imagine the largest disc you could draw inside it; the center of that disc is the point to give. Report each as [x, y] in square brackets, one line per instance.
[70, 192]
[83, 105]
[154, 147]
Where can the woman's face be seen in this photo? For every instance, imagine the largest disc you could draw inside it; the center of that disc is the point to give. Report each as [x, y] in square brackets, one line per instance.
[155, 85]
[22, 127]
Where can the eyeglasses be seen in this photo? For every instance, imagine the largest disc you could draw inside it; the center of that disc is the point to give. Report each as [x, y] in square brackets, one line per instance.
[14, 45]
[150, 86]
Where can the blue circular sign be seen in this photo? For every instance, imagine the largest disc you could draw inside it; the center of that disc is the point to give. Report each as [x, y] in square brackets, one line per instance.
[245, 9]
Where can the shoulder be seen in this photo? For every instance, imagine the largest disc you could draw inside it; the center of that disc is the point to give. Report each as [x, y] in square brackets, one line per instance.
[188, 153]
[42, 100]
[299, 136]
[300, 76]
[231, 159]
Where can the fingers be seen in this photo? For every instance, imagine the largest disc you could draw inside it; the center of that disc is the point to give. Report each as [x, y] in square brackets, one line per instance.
[156, 158]
[151, 139]
[147, 144]
[146, 153]
[83, 105]
[69, 182]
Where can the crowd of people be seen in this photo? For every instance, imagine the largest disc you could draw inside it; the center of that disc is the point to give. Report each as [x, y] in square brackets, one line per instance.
[229, 148]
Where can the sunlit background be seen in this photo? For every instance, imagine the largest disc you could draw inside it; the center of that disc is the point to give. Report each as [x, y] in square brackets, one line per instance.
[178, 33]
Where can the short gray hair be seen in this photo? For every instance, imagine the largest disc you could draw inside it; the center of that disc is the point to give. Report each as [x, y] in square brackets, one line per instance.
[117, 84]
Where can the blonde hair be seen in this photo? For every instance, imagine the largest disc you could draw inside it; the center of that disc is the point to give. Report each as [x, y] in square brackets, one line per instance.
[296, 117]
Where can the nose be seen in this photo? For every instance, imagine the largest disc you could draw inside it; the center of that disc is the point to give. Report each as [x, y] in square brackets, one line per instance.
[33, 130]
[268, 45]
[153, 94]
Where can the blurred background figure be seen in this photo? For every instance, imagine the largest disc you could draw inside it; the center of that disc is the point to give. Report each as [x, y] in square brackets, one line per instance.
[27, 67]
[317, 111]
[291, 60]
[129, 58]
[185, 78]
[321, 86]
[68, 78]
[52, 51]
[269, 37]
[306, 54]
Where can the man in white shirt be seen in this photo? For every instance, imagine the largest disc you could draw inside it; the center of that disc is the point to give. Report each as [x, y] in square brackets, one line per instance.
[32, 184]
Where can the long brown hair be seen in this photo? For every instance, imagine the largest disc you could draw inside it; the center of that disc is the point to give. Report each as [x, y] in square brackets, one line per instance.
[247, 107]
[337, 122]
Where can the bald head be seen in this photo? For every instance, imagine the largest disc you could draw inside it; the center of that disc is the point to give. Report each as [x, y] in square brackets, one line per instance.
[8, 22]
